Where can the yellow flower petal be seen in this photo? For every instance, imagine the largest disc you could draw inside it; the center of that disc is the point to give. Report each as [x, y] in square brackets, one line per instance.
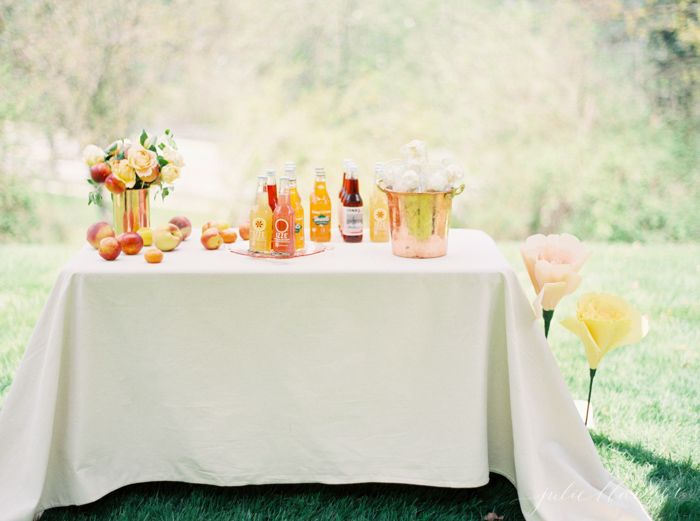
[593, 352]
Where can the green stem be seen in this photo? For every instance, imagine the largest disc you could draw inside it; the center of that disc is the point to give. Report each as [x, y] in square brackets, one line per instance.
[547, 314]
[590, 391]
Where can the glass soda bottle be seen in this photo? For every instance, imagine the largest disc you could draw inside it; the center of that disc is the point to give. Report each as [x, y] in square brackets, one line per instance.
[352, 208]
[299, 232]
[320, 209]
[261, 220]
[342, 192]
[283, 221]
[378, 211]
[271, 189]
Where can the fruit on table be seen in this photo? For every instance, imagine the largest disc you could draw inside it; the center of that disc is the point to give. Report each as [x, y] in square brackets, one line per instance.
[100, 172]
[211, 239]
[244, 230]
[109, 248]
[221, 225]
[229, 235]
[153, 255]
[114, 184]
[168, 237]
[147, 236]
[98, 231]
[131, 242]
[184, 224]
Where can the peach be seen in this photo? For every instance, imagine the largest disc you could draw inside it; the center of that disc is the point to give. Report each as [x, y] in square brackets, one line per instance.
[109, 248]
[244, 230]
[221, 225]
[211, 239]
[229, 235]
[147, 236]
[131, 242]
[98, 231]
[114, 184]
[167, 238]
[184, 224]
[99, 172]
[153, 255]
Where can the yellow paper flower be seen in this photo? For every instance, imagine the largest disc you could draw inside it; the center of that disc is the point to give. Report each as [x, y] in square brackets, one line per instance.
[169, 173]
[605, 322]
[553, 262]
[125, 173]
[143, 161]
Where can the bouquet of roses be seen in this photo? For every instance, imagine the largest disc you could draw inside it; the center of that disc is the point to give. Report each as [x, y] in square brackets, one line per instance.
[154, 161]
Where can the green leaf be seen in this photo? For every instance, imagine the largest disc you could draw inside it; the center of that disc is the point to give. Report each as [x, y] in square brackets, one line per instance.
[91, 181]
[143, 137]
[161, 146]
[162, 161]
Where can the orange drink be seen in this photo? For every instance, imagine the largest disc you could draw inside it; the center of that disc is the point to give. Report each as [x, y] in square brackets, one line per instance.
[320, 209]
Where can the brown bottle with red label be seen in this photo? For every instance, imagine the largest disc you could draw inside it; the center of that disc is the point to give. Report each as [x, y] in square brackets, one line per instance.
[352, 208]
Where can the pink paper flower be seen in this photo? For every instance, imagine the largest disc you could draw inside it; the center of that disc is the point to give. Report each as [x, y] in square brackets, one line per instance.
[553, 262]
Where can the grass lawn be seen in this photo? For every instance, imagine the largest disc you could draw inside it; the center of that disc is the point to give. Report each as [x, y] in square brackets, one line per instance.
[647, 401]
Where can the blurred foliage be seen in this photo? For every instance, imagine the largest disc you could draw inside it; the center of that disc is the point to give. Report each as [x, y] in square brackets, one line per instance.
[569, 115]
[17, 211]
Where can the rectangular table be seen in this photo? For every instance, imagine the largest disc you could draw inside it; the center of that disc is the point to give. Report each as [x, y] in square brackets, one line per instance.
[348, 366]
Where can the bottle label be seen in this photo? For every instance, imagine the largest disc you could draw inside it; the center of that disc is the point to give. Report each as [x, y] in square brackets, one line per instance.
[321, 219]
[282, 231]
[352, 220]
[380, 219]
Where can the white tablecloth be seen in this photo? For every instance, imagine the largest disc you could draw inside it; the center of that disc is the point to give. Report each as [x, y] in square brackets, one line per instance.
[348, 366]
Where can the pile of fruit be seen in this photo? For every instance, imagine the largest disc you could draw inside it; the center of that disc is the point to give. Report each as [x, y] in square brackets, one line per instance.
[166, 238]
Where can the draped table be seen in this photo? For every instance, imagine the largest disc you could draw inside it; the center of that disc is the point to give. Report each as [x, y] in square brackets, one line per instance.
[348, 366]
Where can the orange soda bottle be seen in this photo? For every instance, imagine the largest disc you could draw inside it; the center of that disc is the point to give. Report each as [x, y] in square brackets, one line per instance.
[320, 209]
[299, 232]
[283, 222]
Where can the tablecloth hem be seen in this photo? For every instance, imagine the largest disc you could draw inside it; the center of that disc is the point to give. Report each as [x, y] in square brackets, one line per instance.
[290, 480]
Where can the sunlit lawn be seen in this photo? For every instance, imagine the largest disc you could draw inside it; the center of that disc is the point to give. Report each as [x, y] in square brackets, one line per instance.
[647, 401]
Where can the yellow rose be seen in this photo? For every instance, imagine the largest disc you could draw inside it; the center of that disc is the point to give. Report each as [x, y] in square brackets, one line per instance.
[92, 154]
[123, 171]
[172, 156]
[604, 322]
[142, 160]
[553, 263]
[169, 173]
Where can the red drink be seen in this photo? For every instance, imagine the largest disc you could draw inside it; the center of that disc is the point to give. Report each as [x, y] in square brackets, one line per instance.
[283, 221]
[271, 189]
[341, 193]
[352, 208]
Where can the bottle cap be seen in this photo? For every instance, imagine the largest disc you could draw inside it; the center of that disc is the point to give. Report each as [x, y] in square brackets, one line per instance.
[270, 172]
[320, 170]
[290, 166]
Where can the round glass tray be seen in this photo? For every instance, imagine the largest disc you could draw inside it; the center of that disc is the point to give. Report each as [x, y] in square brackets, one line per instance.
[311, 248]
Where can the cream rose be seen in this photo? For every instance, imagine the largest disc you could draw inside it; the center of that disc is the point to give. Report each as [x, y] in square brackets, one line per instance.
[553, 263]
[92, 154]
[169, 173]
[142, 161]
[123, 171]
[172, 156]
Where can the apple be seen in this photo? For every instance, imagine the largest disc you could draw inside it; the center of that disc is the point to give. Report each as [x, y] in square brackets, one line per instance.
[109, 248]
[98, 231]
[114, 184]
[153, 255]
[147, 235]
[244, 230]
[184, 224]
[131, 242]
[99, 172]
[168, 237]
[211, 239]
[229, 235]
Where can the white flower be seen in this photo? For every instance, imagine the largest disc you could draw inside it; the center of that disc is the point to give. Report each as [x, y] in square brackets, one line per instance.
[409, 181]
[92, 154]
[414, 150]
[438, 182]
[172, 156]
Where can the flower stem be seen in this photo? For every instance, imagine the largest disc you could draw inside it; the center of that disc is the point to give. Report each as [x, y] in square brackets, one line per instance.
[590, 390]
[547, 314]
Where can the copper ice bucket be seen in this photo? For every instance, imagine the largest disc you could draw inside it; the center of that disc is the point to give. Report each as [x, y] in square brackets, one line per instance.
[420, 222]
[131, 210]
